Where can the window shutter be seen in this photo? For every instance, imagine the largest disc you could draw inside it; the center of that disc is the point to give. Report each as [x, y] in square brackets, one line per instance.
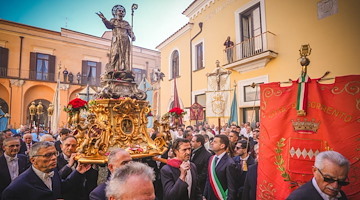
[98, 72]
[4, 56]
[84, 72]
[33, 65]
[51, 68]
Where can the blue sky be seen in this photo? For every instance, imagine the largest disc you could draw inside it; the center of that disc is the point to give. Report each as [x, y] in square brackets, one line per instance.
[154, 20]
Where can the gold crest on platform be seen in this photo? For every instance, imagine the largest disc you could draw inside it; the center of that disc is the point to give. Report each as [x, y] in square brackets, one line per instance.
[122, 123]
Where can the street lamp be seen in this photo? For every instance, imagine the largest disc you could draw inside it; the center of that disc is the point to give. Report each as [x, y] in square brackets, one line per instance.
[32, 110]
[50, 111]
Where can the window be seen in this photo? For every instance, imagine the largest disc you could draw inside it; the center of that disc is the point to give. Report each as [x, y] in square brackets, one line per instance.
[199, 56]
[174, 64]
[4, 56]
[42, 67]
[139, 74]
[251, 94]
[91, 72]
[250, 30]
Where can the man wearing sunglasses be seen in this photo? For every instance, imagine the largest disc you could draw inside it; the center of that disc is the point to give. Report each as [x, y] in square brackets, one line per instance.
[11, 163]
[330, 174]
[42, 180]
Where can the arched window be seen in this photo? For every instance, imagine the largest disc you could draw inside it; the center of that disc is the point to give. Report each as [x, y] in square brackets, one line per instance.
[174, 64]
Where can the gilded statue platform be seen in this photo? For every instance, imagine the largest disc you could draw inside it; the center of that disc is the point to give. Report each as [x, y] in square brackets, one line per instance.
[122, 123]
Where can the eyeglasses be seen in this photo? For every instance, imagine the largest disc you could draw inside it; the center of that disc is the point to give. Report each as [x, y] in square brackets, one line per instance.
[331, 180]
[49, 155]
[13, 145]
[237, 148]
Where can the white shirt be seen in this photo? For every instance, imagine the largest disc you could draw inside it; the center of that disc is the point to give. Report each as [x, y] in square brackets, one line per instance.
[220, 156]
[45, 177]
[323, 195]
[188, 180]
[13, 166]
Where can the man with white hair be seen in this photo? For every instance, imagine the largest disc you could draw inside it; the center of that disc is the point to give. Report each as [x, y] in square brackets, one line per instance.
[330, 174]
[117, 158]
[47, 138]
[131, 181]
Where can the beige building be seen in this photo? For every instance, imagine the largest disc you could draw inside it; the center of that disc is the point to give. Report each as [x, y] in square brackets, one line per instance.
[267, 36]
[32, 59]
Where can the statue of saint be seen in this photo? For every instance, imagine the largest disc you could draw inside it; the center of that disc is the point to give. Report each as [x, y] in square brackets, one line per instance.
[120, 44]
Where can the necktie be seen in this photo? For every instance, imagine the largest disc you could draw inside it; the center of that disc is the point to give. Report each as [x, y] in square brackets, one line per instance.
[29, 146]
[13, 159]
[216, 159]
[47, 179]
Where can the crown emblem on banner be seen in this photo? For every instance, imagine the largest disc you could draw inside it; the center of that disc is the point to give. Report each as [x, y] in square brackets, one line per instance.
[305, 126]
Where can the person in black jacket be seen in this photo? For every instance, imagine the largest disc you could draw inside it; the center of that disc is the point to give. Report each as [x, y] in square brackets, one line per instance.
[200, 157]
[330, 174]
[66, 164]
[42, 180]
[12, 164]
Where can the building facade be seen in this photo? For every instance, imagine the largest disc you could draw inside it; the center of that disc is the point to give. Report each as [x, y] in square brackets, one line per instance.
[267, 37]
[33, 59]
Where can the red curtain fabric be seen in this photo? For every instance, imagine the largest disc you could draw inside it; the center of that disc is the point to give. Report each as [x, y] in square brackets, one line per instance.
[289, 143]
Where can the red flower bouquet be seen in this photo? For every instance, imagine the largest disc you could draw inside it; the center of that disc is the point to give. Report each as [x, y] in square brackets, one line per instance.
[177, 112]
[75, 105]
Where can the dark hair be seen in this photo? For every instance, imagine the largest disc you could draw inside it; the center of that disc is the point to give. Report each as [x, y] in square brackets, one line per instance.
[192, 128]
[186, 133]
[64, 131]
[223, 140]
[235, 132]
[70, 136]
[200, 138]
[177, 143]
[244, 144]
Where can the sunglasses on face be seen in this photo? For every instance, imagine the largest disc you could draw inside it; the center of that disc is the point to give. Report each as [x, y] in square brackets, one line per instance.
[13, 145]
[331, 180]
[49, 155]
[237, 148]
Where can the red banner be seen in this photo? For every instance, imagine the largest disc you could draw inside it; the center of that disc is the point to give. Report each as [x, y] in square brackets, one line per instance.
[196, 112]
[289, 143]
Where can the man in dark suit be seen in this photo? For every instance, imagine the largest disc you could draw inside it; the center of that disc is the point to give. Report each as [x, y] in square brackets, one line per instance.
[26, 144]
[63, 134]
[243, 161]
[221, 167]
[179, 176]
[117, 158]
[11, 163]
[200, 157]
[41, 181]
[330, 174]
[66, 164]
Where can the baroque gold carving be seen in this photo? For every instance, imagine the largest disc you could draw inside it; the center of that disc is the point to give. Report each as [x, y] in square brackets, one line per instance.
[119, 123]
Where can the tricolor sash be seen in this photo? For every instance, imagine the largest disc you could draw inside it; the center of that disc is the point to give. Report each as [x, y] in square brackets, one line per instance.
[302, 95]
[215, 182]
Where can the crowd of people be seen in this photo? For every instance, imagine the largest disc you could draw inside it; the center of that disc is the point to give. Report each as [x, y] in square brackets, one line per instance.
[203, 162]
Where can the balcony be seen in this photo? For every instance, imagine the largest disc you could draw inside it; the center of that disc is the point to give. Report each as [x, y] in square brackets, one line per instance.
[12, 73]
[251, 54]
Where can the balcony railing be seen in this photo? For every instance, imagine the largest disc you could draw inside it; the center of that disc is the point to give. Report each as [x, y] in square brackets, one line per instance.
[251, 47]
[42, 76]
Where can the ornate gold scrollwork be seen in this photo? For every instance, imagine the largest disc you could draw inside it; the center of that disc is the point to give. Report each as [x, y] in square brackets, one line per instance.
[119, 123]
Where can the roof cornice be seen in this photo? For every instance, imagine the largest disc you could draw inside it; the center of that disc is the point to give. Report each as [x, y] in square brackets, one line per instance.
[177, 34]
[196, 7]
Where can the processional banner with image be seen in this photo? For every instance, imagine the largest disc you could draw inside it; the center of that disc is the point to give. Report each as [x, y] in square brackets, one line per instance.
[289, 142]
[218, 93]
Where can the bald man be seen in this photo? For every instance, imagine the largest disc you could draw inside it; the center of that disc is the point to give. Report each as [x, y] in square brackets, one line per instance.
[117, 158]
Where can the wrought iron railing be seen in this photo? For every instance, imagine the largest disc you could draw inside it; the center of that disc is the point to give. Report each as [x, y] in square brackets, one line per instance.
[44, 76]
[250, 47]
